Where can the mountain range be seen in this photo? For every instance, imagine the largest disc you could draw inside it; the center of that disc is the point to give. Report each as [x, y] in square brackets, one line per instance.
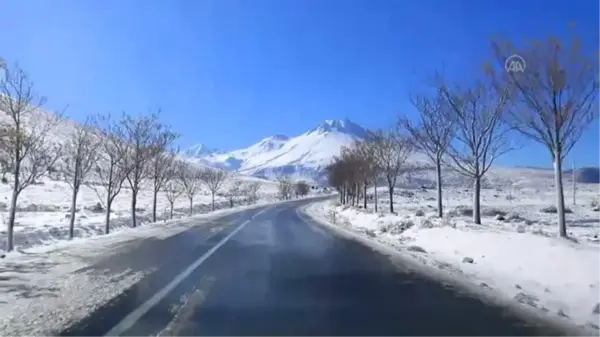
[304, 156]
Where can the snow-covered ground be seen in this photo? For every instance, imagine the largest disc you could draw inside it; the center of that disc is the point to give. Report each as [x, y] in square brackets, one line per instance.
[44, 209]
[46, 288]
[515, 252]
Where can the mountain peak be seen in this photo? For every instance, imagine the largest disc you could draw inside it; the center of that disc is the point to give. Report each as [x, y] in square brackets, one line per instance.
[345, 126]
[278, 138]
[199, 150]
[273, 142]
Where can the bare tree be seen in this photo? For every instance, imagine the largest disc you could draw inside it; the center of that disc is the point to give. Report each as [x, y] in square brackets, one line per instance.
[354, 173]
[214, 179]
[368, 170]
[162, 171]
[344, 174]
[390, 150]
[234, 189]
[481, 136]
[143, 138]
[367, 150]
[80, 155]
[336, 178]
[301, 188]
[554, 99]
[173, 191]
[190, 178]
[109, 169]
[285, 187]
[25, 139]
[432, 134]
[251, 190]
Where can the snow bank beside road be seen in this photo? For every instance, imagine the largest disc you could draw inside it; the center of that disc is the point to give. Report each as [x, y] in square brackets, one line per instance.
[44, 211]
[554, 275]
[46, 288]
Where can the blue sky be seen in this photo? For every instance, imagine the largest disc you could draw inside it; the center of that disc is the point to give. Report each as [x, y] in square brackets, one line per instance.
[227, 73]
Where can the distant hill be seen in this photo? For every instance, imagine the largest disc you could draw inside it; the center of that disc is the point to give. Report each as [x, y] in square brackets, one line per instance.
[586, 175]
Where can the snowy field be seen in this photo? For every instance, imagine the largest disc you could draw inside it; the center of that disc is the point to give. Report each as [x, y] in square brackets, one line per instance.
[43, 210]
[515, 251]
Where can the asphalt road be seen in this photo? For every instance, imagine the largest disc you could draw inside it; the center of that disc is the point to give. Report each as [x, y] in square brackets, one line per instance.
[270, 272]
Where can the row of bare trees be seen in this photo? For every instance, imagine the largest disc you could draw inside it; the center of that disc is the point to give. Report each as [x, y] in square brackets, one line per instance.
[383, 155]
[131, 151]
[551, 102]
[104, 153]
[187, 180]
[458, 128]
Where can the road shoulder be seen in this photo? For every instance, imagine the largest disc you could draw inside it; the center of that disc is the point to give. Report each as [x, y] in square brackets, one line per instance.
[415, 261]
[47, 288]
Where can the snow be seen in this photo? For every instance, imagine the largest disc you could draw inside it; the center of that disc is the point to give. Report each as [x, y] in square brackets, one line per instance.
[520, 258]
[306, 154]
[46, 288]
[199, 150]
[44, 208]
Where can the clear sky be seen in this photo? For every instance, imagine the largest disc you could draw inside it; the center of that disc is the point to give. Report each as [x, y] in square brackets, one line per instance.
[227, 73]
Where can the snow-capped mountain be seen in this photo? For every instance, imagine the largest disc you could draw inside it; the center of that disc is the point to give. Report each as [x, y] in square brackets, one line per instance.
[304, 155]
[199, 150]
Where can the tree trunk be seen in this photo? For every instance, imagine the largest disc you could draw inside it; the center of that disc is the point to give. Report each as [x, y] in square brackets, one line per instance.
[477, 201]
[560, 196]
[438, 169]
[191, 205]
[72, 219]
[365, 195]
[348, 195]
[213, 200]
[154, 197]
[391, 193]
[133, 204]
[11, 216]
[375, 195]
[171, 213]
[107, 217]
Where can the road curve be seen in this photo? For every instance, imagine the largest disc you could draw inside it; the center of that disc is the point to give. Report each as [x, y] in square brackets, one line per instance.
[270, 272]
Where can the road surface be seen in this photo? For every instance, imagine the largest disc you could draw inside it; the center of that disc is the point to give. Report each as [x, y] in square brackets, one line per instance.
[271, 272]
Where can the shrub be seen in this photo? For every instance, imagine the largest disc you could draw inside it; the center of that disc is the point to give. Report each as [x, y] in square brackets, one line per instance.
[492, 212]
[552, 209]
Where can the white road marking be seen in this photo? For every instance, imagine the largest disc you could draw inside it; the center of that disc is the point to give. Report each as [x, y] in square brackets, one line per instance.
[136, 314]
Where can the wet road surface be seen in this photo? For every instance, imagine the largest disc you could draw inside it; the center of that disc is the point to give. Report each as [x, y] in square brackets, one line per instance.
[270, 272]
